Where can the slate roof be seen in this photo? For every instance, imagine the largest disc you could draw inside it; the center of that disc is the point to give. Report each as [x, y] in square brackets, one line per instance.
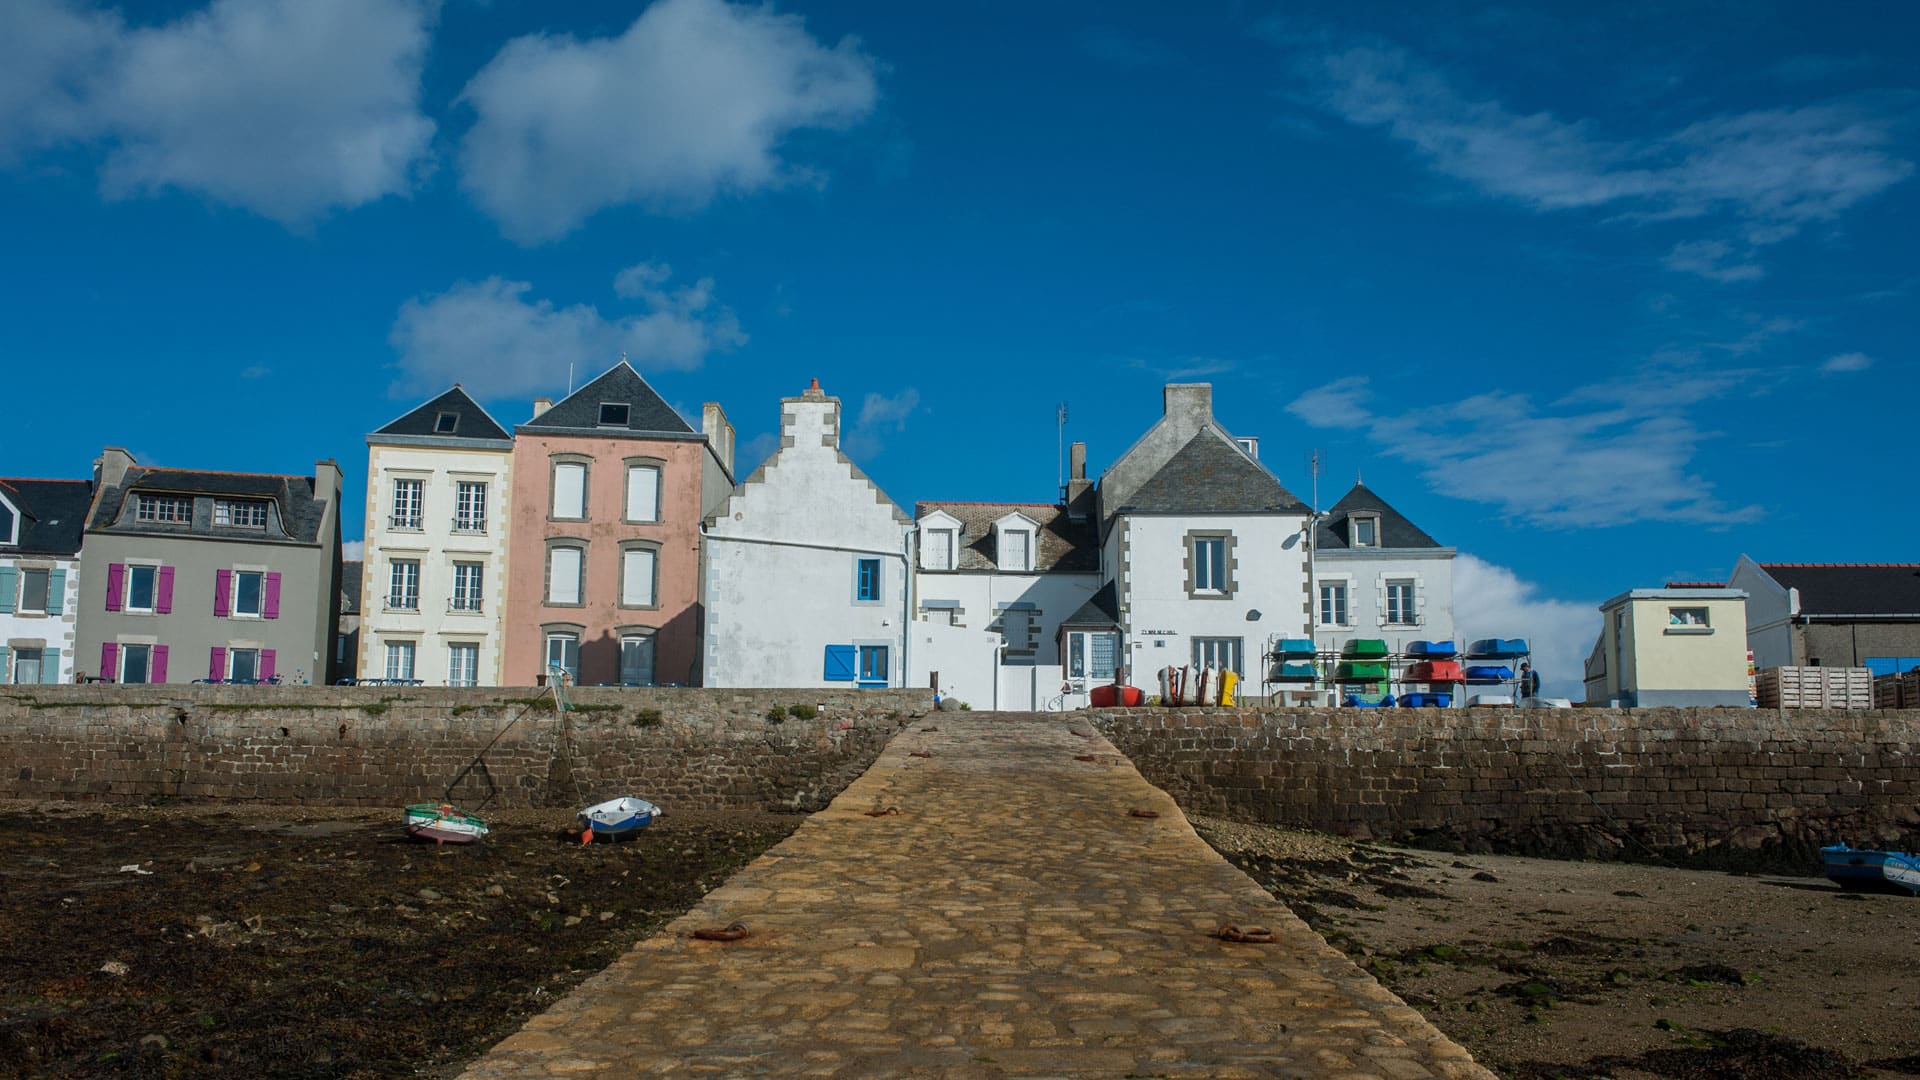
[1395, 530]
[53, 514]
[1211, 475]
[580, 410]
[1101, 609]
[301, 513]
[1064, 546]
[350, 570]
[1837, 589]
[470, 421]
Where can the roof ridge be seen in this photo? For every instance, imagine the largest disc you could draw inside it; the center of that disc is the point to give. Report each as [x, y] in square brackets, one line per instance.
[1841, 565]
[41, 480]
[971, 502]
[222, 472]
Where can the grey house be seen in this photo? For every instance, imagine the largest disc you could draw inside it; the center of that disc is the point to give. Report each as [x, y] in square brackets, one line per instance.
[40, 529]
[195, 575]
[1832, 614]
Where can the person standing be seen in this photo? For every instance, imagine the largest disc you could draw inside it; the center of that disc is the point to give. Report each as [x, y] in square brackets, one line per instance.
[1529, 681]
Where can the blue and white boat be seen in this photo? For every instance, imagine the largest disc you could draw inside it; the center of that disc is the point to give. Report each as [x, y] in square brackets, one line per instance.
[1864, 868]
[616, 817]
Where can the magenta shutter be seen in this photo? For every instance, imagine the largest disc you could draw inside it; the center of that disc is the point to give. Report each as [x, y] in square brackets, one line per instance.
[266, 665]
[159, 672]
[222, 594]
[116, 580]
[109, 661]
[217, 665]
[270, 607]
[163, 594]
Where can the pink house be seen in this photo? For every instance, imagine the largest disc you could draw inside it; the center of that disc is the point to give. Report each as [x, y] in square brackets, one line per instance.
[604, 564]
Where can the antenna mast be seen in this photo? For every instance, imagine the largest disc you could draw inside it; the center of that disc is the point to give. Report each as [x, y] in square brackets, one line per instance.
[1060, 453]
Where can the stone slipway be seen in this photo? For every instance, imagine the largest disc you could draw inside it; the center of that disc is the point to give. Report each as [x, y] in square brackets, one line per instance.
[1011, 919]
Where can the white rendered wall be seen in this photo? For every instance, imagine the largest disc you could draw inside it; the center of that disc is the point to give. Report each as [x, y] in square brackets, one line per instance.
[1769, 615]
[53, 631]
[1269, 574]
[437, 546]
[781, 560]
[969, 660]
[1366, 574]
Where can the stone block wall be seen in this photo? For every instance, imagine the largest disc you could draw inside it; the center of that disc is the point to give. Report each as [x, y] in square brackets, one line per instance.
[388, 746]
[1733, 788]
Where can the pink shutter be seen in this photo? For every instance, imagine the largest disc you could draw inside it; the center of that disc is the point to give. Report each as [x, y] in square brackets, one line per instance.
[159, 672]
[217, 664]
[163, 595]
[266, 665]
[109, 661]
[116, 580]
[222, 594]
[270, 607]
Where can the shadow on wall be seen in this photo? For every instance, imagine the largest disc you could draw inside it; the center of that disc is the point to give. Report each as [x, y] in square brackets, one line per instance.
[674, 651]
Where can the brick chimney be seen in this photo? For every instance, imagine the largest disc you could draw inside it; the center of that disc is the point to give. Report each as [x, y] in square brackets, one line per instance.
[719, 433]
[1079, 493]
[540, 405]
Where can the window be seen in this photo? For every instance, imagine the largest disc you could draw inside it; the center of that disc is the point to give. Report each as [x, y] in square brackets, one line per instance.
[569, 491]
[643, 493]
[1209, 564]
[240, 513]
[1687, 616]
[466, 586]
[866, 580]
[1092, 654]
[1019, 550]
[446, 423]
[463, 665]
[248, 592]
[563, 574]
[1365, 531]
[1020, 632]
[638, 568]
[141, 587]
[408, 498]
[163, 509]
[34, 588]
[1333, 603]
[1400, 609]
[400, 659]
[403, 586]
[470, 506]
[636, 660]
[939, 549]
[873, 665]
[28, 666]
[243, 665]
[615, 413]
[1221, 652]
[136, 664]
[563, 652]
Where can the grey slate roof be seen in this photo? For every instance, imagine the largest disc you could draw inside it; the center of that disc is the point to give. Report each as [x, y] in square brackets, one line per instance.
[1102, 609]
[1395, 530]
[1210, 475]
[301, 513]
[350, 571]
[580, 410]
[470, 420]
[1064, 546]
[1865, 589]
[53, 514]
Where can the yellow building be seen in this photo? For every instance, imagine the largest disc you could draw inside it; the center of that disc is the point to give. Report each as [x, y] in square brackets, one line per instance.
[1671, 647]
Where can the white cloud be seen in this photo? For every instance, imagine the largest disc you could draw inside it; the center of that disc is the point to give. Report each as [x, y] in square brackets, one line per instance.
[287, 108]
[880, 415]
[1845, 362]
[1713, 259]
[694, 99]
[1773, 171]
[353, 550]
[492, 337]
[1492, 601]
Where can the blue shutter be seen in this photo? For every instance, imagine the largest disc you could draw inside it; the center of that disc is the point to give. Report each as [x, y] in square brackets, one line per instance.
[9, 584]
[839, 663]
[49, 665]
[56, 591]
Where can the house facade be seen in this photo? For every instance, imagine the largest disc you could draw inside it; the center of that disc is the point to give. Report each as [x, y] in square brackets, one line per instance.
[197, 575]
[610, 487]
[1832, 614]
[807, 580]
[1378, 575]
[41, 526]
[1674, 647]
[433, 581]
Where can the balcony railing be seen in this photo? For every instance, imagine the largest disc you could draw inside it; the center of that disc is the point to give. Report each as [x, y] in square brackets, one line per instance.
[469, 524]
[401, 603]
[404, 522]
[464, 605]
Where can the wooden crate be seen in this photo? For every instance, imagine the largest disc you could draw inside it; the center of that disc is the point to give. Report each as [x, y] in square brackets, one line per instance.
[1910, 689]
[1886, 691]
[1849, 688]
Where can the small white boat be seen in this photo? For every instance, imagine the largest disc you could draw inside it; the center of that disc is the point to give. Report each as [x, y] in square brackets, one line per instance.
[444, 824]
[616, 817]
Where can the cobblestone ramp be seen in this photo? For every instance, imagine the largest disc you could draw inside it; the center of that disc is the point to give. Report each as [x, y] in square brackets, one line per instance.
[1003, 915]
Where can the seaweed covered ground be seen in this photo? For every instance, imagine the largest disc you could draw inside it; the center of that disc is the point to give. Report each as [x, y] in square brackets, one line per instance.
[316, 942]
[1579, 970]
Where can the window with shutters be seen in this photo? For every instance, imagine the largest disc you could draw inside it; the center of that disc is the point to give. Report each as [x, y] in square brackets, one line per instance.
[1400, 604]
[939, 554]
[243, 665]
[136, 663]
[163, 509]
[34, 588]
[409, 500]
[142, 587]
[565, 563]
[249, 593]
[639, 575]
[569, 490]
[643, 491]
[28, 665]
[470, 506]
[1016, 550]
[873, 665]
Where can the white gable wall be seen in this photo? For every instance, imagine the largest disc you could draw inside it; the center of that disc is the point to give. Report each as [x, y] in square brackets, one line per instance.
[1268, 568]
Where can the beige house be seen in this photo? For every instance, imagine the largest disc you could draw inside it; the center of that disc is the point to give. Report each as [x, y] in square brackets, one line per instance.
[1678, 646]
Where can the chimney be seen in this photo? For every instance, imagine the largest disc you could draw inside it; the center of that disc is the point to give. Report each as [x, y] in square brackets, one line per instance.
[326, 480]
[111, 466]
[1079, 492]
[540, 405]
[719, 433]
[1190, 402]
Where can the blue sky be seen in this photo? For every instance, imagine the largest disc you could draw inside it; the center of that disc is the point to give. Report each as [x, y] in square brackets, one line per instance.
[1604, 296]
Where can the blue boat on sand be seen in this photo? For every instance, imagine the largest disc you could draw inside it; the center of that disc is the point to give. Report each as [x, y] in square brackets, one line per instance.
[616, 818]
[1867, 869]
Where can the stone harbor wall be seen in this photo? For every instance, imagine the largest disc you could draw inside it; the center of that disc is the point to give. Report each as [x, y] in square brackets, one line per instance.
[1732, 788]
[388, 746]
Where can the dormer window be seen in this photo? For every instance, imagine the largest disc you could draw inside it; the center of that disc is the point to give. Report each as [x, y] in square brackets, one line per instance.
[939, 549]
[9, 524]
[939, 541]
[446, 423]
[1364, 530]
[240, 513]
[163, 509]
[1013, 540]
[615, 413]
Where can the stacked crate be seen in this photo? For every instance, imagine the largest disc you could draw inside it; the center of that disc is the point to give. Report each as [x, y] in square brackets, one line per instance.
[1910, 689]
[1815, 688]
[1886, 691]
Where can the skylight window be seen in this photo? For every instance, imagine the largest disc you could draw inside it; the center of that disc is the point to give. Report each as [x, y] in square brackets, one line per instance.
[614, 413]
[445, 423]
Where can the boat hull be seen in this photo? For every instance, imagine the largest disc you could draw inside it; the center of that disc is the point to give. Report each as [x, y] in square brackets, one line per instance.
[444, 824]
[617, 817]
[1864, 868]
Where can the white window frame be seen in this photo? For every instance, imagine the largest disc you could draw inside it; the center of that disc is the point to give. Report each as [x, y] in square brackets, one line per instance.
[409, 504]
[553, 501]
[228, 512]
[1409, 615]
[46, 600]
[628, 554]
[233, 661]
[470, 651]
[1080, 659]
[563, 638]
[1345, 587]
[940, 549]
[403, 585]
[233, 597]
[1207, 649]
[402, 659]
[153, 594]
[163, 509]
[469, 578]
[1353, 530]
[643, 472]
[124, 654]
[470, 506]
[579, 575]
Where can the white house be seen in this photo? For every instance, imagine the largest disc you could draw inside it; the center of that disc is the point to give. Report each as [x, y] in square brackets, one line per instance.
[1378, 575]
[41, 524]
[806, 576]
[434, 572]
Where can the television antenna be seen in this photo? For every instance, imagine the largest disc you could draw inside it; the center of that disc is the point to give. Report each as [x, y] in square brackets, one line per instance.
[1060, 453]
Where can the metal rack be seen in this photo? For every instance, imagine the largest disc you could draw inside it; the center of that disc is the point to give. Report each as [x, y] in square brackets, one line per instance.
[1298, 667]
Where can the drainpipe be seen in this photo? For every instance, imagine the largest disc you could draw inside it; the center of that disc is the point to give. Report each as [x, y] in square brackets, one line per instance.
[906, 604]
